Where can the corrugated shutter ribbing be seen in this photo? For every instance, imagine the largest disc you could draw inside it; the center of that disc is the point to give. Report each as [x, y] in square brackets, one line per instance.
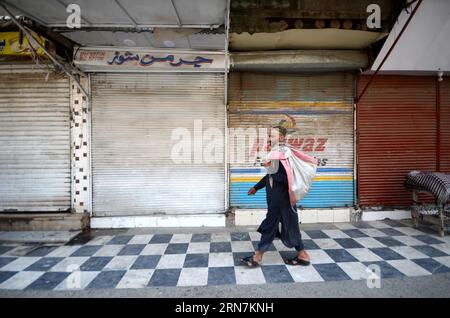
[396, 134]
[321, 104]
[34, 142]
[133, 120]
[445, 125]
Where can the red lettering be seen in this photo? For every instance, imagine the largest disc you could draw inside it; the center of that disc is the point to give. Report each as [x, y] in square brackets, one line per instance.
[321, 145]
[309, 144]
[296, 142]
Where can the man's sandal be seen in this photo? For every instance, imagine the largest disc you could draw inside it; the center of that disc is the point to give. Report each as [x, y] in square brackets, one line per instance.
[249, 261]
[297, 261]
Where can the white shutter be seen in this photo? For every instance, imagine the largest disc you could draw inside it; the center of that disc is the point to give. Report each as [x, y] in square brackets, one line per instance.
[34, 142]
[133, 117]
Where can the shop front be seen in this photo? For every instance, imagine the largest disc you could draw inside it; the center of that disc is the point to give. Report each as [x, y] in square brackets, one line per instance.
[157, 132]
[35, 156]
[403, 125]
[321, 105]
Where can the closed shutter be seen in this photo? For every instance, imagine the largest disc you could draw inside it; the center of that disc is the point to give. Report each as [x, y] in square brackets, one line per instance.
[396, 134]
[134, 117]
[444, 152]
[34, 142]
[321, 104]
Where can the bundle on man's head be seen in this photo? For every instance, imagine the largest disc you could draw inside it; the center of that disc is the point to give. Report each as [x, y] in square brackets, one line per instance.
[286, 125]
[281, 130]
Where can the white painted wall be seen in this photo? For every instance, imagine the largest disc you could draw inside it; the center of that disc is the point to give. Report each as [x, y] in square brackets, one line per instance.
[425, 44]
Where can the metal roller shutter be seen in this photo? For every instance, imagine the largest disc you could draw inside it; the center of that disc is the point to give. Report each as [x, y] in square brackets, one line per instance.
[34, 142]
[444, 112]
[133, 118]
[396, 134]
[321, 104]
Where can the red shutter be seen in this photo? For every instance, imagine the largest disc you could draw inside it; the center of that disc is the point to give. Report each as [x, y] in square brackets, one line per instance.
[444, 88]
[397, 129]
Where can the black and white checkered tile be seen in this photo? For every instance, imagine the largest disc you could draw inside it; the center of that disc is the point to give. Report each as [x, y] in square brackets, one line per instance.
[135, 261]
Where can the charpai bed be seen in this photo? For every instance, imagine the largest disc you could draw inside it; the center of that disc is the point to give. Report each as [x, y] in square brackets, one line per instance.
[437, 185]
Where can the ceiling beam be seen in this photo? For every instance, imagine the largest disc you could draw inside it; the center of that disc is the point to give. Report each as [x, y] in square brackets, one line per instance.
[126, 12]
[176, 12]
[86, 27]
[52, 36]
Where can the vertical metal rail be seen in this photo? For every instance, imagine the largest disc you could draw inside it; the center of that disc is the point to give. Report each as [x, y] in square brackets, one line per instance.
[89, 138]
[438, 126]
[355, 143]
[227, 64]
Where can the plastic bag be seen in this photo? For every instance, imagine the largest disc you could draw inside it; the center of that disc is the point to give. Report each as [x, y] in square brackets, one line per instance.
[304, 169]
[300, 168]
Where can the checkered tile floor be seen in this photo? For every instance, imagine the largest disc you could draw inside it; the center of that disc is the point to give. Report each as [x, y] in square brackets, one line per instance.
[135, 261]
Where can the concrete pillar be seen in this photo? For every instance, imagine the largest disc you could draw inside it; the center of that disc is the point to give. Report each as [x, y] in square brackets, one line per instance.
[80, 156]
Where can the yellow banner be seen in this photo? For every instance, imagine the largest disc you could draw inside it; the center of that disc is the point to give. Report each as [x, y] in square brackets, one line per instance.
[11, 43]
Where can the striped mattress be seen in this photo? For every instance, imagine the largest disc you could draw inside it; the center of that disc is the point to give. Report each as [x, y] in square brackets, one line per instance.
[436, 183]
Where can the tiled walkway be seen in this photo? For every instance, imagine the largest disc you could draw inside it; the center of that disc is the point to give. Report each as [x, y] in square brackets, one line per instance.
[146, 260]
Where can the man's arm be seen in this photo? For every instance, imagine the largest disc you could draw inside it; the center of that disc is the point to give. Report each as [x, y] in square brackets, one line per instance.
[261, 184]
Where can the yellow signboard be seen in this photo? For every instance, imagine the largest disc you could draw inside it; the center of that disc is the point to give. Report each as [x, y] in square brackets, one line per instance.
[12, 43]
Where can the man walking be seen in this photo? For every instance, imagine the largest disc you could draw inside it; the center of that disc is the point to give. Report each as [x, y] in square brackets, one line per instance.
[279, 211]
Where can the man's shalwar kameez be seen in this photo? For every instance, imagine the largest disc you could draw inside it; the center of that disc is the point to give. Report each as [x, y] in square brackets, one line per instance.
[279, 210]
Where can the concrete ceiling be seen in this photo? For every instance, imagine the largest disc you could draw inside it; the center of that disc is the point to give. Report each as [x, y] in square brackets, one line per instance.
[187, 24]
